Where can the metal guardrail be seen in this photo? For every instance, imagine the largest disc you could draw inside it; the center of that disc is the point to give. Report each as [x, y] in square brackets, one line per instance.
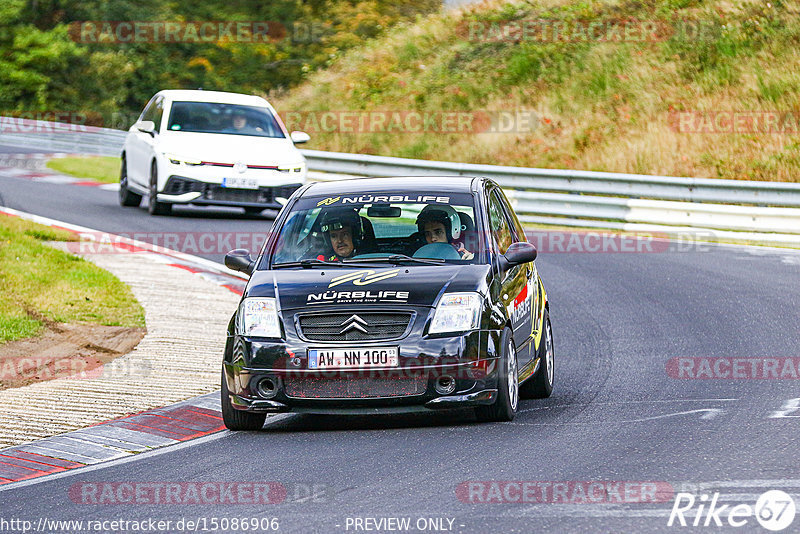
[733, 210]
[60, 137]
[583, 182]
[730, 210]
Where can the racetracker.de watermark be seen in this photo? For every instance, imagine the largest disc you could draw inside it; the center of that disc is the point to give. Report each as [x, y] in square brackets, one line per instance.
[56, 122]
[780, 122]
[186, 242]
[597, 30]
[604, 242]
[23, 161]
[412, 121]
[202, 492]
[19, 370]
[47, 122]
[724, 368]
[546, 242]
[563, 492]
[172, 31]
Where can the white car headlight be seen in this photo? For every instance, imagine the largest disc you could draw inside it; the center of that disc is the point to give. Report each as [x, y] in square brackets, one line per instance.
[177, 160]
[297, 167]
[457, 312]
[260, 317]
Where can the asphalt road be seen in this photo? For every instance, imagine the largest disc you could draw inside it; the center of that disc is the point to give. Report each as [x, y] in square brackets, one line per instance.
[616, 415]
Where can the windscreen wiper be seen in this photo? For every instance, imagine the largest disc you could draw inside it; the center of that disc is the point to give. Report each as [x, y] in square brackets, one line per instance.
[307, 263]
[397, 259]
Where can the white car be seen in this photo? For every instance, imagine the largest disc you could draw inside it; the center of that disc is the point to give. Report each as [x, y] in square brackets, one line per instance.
[210, 148]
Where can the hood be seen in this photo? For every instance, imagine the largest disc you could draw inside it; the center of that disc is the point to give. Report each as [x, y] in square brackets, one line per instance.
[224, 148]
[365, 286]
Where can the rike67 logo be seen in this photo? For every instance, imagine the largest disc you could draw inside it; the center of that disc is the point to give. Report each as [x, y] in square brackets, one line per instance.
[774, 510]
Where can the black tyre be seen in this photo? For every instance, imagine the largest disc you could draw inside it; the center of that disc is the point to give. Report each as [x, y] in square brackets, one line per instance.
[540, 386]
[236, 419]
[505, 406]
[126, 196]
[154, 207]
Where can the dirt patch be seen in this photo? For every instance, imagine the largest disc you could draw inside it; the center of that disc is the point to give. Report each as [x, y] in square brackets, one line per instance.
[67, 351]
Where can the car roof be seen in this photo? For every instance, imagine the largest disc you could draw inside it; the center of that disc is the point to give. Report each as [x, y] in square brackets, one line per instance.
[404, 184]
[196, 95]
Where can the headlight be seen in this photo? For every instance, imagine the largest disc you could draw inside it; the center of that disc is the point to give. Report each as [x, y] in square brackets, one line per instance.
[297, 167]
[457, 312]
[260, 318]
[177, 160]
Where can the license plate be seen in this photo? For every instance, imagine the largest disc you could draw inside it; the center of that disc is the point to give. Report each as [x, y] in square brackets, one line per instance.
[240, 183]
[352, 358]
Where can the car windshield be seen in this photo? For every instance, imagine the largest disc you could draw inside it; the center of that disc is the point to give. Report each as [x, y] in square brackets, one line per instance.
[425, 228]
[210, 117]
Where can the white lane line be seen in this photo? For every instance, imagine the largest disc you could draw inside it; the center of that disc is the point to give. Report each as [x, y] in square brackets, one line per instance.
[134, 457]
[584, 511]
[624, 402]
[753, 483]
[708, 413]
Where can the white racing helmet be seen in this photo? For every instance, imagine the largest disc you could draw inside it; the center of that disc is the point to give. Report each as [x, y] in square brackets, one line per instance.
[443, 214]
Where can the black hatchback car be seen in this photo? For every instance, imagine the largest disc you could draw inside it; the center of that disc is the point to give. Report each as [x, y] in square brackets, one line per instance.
[389, 295]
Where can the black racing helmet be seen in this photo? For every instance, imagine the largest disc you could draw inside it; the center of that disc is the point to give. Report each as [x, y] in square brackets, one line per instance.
[336, 219]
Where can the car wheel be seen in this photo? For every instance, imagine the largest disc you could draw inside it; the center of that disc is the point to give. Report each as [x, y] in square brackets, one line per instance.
[540, 386]
[154, 207]
[126, 196]
[236, 419]
[505, 406]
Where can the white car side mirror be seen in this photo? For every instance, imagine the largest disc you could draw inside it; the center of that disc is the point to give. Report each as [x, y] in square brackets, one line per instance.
[299, 137]
[146, 127]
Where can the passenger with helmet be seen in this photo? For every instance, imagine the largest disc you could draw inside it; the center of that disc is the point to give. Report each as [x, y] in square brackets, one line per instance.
[344, 230]
[441, 224]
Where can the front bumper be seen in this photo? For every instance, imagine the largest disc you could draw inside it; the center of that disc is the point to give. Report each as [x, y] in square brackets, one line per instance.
[185, 190]
[470, 360]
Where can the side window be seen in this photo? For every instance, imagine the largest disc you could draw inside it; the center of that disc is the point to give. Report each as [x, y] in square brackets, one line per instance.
[154, 112]
[516, 227]
[149, 111]
[498, 225]
[159, 114]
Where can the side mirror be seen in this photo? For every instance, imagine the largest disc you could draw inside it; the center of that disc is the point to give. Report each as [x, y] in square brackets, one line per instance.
[299, 138]
[240, 260]
[148, 127]
[517, 254]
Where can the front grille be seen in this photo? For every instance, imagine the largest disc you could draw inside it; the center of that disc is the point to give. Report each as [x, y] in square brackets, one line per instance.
[353, 387]
[177, 185]
[349, 326]
[227, 194]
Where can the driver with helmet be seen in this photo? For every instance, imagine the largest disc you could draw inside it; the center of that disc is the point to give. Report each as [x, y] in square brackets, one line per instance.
[345, 231]
[441, 224]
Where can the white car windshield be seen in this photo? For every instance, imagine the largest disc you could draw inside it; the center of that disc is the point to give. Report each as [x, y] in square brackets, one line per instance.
[433, 226]
[211, 117]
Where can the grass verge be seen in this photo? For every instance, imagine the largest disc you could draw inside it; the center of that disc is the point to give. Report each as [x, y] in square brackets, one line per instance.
[41, 284]
[99, 168]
